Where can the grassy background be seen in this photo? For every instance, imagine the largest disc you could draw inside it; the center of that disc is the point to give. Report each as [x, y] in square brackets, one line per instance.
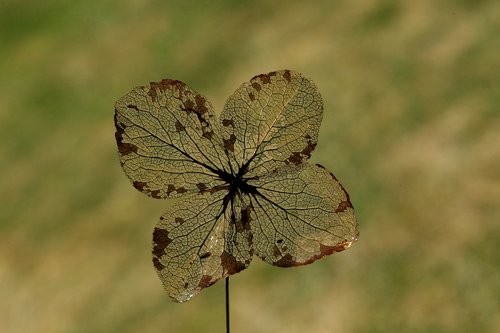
[411, 128]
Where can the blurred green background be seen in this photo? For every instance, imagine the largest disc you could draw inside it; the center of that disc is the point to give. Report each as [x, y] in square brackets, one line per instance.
[411, 128]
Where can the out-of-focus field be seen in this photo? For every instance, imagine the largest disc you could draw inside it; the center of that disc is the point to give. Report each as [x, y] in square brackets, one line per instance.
[411, 128]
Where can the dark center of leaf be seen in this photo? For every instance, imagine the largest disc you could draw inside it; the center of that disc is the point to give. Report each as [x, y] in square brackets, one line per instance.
[237, 182]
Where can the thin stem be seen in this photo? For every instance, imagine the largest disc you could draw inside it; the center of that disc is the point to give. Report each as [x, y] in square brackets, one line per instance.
[227, 304]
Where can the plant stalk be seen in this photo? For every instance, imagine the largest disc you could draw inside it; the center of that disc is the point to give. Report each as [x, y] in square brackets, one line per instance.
[227, 304]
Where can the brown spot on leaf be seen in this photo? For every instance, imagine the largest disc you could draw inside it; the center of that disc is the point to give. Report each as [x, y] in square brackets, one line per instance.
[119, 131]
[131, 106]
[179, 220]
[171, 84]
[200, 100]
[199, 108]
[124, 148]
[164, 85]
[256, 86]
[229, 143]
[295, 158]
[289, 261]
[217, 188]
[170, 188]
[139, 185]
[310, 146]
[251, 96]
[188, 105]
[228, 122]
[158, 265]
[205, 255]
[243, 226]
[286, 261]
[230, 264]
[152, 94]
[246, 218]
[181, 190]
[308, 149]
[343, 205]
[201, 186]
[208, 135]
[179, 127]
[276, 251]
[264, 78]
[325, 250]
[205, 281]
[287, 76]
[156, 194]
[160, 241]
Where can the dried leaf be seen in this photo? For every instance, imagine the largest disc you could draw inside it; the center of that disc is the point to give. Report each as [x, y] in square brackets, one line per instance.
[196, 243]
[250, 187]
[272, 122]
[168, 140]
[300, 215]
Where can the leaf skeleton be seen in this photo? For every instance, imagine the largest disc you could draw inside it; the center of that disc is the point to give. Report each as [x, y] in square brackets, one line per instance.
[246, 186]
